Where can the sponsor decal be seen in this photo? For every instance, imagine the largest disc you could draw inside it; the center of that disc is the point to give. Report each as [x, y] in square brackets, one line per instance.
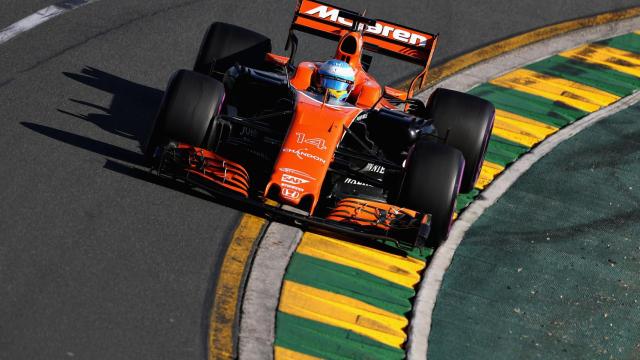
[362, 116]
[302, 154]
[403, 35]
[292, 187]
[289, 193]
[374, 168]
[293, 180]
[247, 131]
[297, 172]
[351, 181]
[317, 142]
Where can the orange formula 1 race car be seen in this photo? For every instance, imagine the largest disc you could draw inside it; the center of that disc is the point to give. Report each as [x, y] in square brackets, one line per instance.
[322, 145]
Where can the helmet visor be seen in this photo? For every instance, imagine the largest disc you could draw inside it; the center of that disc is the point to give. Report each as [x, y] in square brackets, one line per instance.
[330, 82]
[338, 94]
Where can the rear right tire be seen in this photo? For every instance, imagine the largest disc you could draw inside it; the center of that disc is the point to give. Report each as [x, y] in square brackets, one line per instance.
[467, 122]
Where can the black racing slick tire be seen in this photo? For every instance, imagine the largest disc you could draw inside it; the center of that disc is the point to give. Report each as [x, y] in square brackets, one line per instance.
[467, 122]
[186, 113]
[431, 183]
[225, 45]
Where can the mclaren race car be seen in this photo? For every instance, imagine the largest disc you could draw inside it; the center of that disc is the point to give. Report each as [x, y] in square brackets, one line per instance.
[270, 136]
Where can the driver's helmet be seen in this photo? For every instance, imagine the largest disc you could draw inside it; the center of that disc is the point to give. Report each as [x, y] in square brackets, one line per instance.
[336, 77]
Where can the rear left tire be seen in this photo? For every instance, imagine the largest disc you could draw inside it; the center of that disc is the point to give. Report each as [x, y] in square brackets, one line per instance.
[225, 45]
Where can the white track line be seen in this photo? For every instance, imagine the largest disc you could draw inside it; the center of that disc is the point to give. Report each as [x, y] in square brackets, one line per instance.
[427, 295]
[39, 17]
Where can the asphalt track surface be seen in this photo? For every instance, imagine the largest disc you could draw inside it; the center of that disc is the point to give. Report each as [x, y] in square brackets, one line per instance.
[97, 259]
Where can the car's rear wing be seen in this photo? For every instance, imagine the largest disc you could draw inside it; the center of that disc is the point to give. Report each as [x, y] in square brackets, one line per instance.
[380, 36]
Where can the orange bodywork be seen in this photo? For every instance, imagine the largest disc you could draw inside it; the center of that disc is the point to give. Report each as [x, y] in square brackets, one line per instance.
[382, 36]
[366, 91]
[213, 167]
[307, 151]
[277, 59]
[369, 213]
[318, 126]
[386, 37]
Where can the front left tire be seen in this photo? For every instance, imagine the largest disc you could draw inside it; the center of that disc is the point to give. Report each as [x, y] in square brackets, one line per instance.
[188, 107]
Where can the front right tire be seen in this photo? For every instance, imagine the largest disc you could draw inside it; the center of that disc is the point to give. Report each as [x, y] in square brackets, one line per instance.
[432, 176]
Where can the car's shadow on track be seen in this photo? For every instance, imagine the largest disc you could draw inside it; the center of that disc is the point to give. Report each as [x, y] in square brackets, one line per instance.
[131, 113]
[132, 107]
[96, 146]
